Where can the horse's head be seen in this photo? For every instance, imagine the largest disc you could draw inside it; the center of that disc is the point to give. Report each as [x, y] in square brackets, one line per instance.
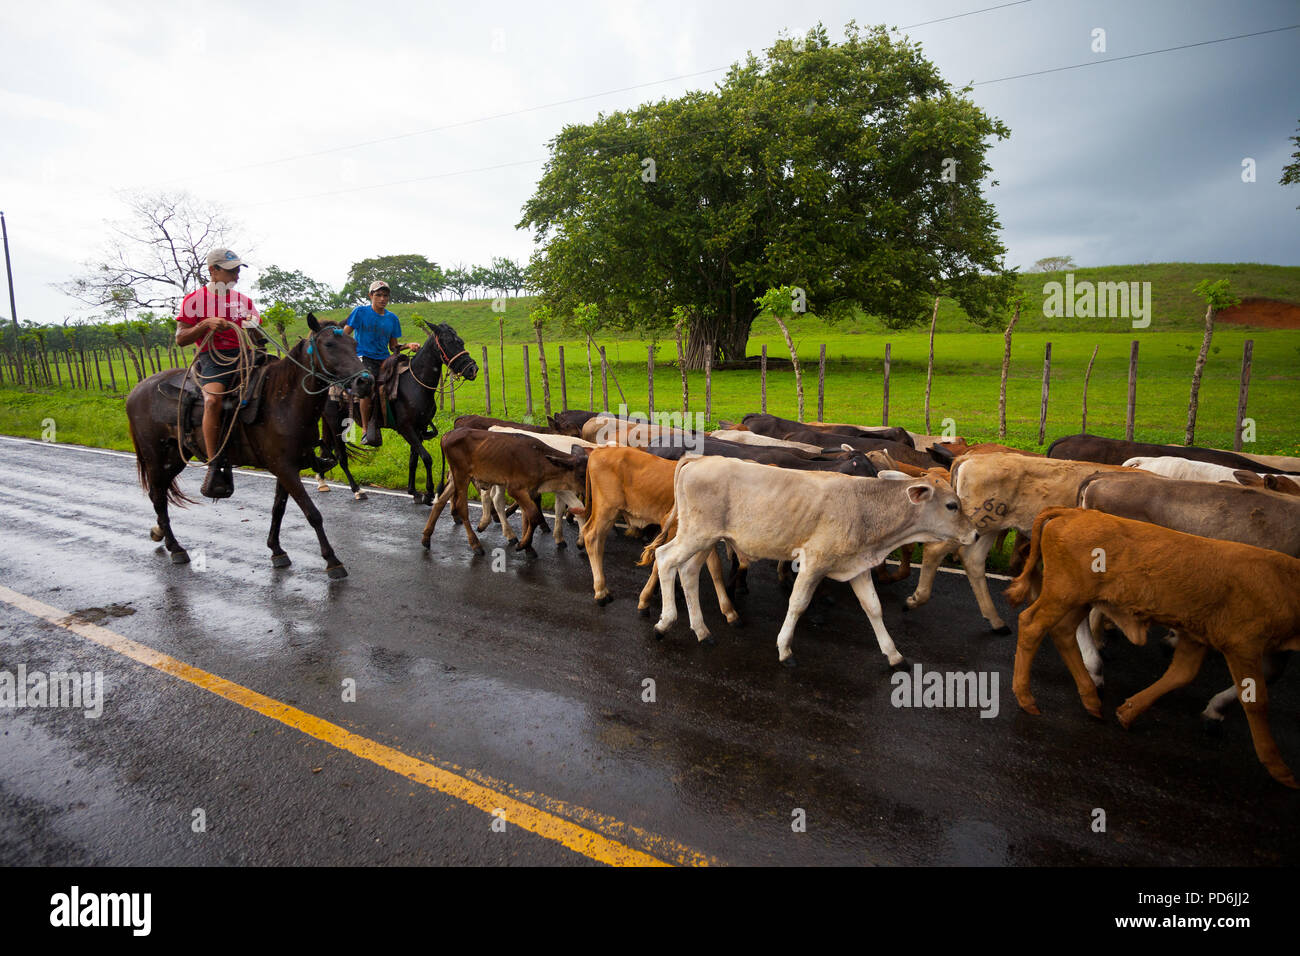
[451, 349]
[333, 352]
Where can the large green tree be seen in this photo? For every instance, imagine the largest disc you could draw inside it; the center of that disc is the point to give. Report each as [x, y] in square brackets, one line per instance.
[410, 278]
[851, 171]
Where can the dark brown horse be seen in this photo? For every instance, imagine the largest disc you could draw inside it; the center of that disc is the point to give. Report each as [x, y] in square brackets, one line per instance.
[414, 407]
[281, 440]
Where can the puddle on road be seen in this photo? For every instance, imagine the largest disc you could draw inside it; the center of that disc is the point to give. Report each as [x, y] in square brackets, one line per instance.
[98, 615]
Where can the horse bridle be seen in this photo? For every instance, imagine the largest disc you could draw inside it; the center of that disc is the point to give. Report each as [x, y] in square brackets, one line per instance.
[445, 361]
[323, 373]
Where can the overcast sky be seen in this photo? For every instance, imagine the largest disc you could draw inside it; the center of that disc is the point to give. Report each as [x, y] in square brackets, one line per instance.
[271, 110]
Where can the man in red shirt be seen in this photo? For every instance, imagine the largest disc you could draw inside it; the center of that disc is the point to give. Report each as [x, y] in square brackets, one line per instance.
[216, 309]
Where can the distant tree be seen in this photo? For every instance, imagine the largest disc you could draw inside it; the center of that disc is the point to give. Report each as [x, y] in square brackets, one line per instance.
[481, 279]
[410, 278]
[1054, 264]
[459, 279]
[509, 275]
[1217, 296]
[1291, 171]
[155, 256]
[296, 290]
[278, 315]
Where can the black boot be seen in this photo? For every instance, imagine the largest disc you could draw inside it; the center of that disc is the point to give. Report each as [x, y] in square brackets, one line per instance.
[218, 483]
[373, 435]
[323, 464]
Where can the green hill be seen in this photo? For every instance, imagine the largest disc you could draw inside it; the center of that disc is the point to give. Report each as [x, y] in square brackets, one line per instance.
[1174, 307]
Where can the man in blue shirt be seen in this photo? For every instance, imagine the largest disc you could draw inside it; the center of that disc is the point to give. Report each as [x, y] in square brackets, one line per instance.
[376, 331]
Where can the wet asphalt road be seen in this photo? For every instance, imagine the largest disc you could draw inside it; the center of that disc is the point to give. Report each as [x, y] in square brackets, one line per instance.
[517, 679]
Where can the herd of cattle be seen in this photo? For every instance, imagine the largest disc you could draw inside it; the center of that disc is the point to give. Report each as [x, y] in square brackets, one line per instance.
[1202, 541]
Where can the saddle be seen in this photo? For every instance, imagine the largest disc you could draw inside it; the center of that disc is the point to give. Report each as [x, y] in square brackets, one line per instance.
[390, 375]
[181, 387]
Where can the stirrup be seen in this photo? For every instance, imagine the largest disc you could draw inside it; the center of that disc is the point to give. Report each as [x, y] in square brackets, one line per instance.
[218, 482]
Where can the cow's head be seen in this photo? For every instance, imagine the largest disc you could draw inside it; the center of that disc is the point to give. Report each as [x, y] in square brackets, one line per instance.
[936, 510]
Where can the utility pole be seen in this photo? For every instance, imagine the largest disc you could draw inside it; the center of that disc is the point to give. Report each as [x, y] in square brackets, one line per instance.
[13, 308]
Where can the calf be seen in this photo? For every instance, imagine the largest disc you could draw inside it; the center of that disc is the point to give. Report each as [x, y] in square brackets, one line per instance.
[1001, 491]
[1240, 600]
[1225, 512]
[831, 525]
[638, 486]
[523, 465]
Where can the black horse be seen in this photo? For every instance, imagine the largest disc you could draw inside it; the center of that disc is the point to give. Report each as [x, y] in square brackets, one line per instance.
[282, 439]
[413, 408]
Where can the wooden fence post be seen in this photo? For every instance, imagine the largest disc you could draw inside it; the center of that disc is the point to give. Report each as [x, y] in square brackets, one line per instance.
[821, 385]
[99, 376]
[501, 351]
[528, 386]
[929, 368]
[708, 386]
[564, 384]
[1131, 413]
[112, 379]
[650, 379]
[1087, 375]
[1047, 377]
[604, 379]
[546, 375]
[763, 378]
[1247, 354]
[487, 384]
[884, 408]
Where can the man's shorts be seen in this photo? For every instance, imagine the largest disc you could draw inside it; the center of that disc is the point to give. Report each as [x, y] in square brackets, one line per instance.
[371, 365]
[225, 370]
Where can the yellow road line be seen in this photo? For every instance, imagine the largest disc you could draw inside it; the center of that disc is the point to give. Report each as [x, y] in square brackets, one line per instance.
[589, 843]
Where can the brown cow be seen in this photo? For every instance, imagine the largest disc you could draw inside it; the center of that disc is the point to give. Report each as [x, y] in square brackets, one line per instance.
[638, 486]
[1240, 600]
[522, 465]
[998, 492]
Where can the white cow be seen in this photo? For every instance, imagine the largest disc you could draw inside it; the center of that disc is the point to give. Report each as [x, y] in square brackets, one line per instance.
[1184, 469]
[830, 525]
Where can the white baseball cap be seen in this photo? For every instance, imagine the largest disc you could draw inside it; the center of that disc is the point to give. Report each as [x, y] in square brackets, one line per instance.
[377, 285]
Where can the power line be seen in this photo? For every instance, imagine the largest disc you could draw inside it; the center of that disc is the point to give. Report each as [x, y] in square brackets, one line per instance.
[1058, 69]
[971, 13]
[1133, 56]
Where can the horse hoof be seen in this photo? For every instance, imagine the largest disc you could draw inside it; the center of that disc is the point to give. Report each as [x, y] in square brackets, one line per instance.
[280, 561]
[180, 557]
[155, 533]
[337, 572]
[322, 487]
[359, 496]
[418, 500]
[1004, 629]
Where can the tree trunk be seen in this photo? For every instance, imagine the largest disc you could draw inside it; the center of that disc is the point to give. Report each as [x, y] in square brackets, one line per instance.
[546, 379]
[794, 358]
[1194, 401]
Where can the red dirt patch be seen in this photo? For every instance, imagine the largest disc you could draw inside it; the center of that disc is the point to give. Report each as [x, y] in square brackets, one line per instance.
[1266, 313]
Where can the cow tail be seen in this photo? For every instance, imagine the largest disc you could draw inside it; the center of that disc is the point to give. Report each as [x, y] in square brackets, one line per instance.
[669, 528]
[1031, 578]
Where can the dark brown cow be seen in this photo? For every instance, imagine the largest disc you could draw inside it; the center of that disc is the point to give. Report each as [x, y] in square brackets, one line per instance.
[522, 465]
[775, 427]
[1115, 451]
